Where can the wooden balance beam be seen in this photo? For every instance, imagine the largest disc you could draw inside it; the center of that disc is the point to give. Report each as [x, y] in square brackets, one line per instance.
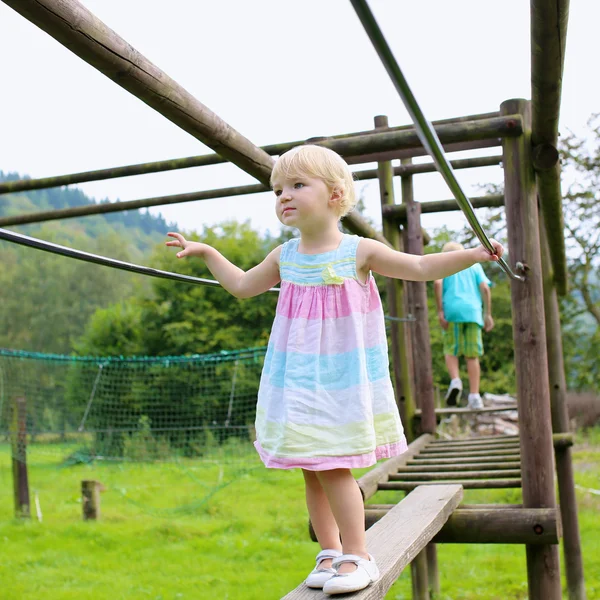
[399, 536]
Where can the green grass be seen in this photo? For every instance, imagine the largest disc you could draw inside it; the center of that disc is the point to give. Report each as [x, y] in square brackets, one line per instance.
[165, 533]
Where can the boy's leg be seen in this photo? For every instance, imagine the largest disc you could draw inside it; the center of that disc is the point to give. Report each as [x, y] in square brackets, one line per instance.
[452, 365]
[474, 371]
[321, 517]
[473, 350]
[451, 339]
[347, 506]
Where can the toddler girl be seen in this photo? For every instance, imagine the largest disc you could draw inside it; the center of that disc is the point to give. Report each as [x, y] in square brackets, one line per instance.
[326, 403]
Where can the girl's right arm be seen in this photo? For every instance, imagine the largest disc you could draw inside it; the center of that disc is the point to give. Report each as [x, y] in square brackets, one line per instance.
[239, 283]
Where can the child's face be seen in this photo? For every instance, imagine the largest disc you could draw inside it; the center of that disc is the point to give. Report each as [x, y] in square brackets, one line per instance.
[304, 201]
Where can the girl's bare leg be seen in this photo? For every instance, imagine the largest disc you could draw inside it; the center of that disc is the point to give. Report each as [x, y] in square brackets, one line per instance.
[321, 517]
[347, 507]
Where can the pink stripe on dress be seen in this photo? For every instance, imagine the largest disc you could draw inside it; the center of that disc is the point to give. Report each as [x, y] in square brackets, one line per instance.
[328, 463]
[327, 301]
[330, 336]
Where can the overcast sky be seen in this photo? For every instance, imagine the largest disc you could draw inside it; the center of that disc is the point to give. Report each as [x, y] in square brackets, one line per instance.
[275, 70]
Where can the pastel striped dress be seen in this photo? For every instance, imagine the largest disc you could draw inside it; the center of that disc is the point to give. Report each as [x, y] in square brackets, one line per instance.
[326, 399]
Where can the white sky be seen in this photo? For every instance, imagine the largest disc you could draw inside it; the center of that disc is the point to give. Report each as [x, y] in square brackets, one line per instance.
[276, 70]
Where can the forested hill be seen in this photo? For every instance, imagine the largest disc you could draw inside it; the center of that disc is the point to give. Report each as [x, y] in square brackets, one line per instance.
[142, 228]
[47, 300]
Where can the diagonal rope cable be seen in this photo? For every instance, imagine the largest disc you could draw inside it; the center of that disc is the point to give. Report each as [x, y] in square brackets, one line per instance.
[31, 242]
[426, 132]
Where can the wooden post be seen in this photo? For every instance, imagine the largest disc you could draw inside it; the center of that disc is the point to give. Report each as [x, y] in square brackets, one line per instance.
[421, 342]
[420, 577]
[19, 458]
[90, 499]
[560, 425]
[395, 293]
[529, 335]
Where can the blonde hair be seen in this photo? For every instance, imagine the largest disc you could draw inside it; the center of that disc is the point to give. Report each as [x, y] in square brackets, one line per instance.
[319, 163]
[452, 246]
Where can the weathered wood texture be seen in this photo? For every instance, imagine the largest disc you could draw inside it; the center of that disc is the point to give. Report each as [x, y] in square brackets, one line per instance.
[417, 306]
[403, 386]
[573, 559]
[420, 576]
[399, 537]
[475, 466]
[478, 447]
[549, 20]
[398, 211]
[467, 484]
[426, 453]
[18, 437]
[368, 482]
[496, 525]
[70, 23]
[90, 499]
[467, 459]
[159, 166]
[426, 475]
[500, 439]
[529, 337]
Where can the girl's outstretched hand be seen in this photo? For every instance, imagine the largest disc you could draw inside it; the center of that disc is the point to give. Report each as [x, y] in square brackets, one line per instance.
[483, 254]
[189, 248]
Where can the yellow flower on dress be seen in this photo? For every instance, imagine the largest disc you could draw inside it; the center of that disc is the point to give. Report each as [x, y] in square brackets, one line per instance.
[329, 276]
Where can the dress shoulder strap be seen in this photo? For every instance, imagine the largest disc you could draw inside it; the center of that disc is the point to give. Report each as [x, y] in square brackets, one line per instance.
[288, 250]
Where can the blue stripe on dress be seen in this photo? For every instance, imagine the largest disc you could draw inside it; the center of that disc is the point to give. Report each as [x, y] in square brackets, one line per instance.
[328, 372]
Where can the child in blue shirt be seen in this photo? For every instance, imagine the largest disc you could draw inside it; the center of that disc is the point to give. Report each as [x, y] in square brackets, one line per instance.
[464, 304]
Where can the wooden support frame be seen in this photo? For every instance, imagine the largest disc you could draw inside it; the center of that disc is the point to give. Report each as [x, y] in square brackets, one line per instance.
[399, 211]
[203, 160]
[106, 51]
[417, 306]
[562, 437]
[497, 525]
[529, 336]
[399, 537]
[549, 19]
[18, 436]
[369, 481]
[396, 303]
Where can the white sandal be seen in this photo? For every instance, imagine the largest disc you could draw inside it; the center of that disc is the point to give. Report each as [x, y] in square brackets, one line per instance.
[342, 583]
[317, 576]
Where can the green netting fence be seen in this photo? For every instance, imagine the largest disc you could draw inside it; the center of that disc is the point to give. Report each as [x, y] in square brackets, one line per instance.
[191, 417]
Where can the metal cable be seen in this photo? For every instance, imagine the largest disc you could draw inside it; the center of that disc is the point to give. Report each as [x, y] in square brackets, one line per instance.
[425, 130]
[25, 240]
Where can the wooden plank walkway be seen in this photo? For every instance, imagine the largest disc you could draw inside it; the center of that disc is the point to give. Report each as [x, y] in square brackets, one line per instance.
[398, 537]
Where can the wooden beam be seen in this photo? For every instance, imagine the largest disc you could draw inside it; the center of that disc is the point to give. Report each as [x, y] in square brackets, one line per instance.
[474, 466]
[399, 537]
[398, 211]
[74, 26]
[433, 476]
[18, 437]
[417, 306]
[368, 482]
[417, 460]
[467, 484]
[498, 525]
[529, 338]
[549, 19]
[403, 388]
[20, 185]
[562, 437]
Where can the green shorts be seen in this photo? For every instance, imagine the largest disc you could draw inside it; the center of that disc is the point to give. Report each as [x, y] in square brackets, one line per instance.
[463, 339]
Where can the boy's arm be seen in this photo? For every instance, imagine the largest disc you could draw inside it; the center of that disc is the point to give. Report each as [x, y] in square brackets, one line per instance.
[486, 295]
[438, 287]
[375, 256]
[239, 283]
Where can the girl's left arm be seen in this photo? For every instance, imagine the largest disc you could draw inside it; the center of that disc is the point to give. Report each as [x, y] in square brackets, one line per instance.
[375, 256]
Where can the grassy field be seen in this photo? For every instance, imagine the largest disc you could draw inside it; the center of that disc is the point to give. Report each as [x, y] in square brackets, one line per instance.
[181, 531]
